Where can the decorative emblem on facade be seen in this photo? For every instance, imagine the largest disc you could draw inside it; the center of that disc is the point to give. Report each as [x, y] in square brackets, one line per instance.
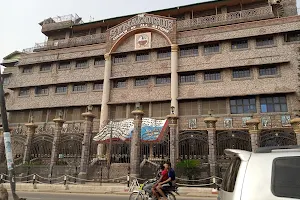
[244, 120]
[266, 121]
[192, 123]
[143, 20]
[228, 123]
[143, 41]
[286, 120]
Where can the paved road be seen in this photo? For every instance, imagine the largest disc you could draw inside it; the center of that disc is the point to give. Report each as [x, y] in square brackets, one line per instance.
[54, 196]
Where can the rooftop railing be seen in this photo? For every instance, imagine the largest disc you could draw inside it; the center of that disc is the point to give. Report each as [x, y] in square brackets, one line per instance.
[226, 18]
[195, 23]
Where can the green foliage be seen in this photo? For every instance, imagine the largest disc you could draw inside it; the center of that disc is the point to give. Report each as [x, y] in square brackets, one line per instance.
[189, 168]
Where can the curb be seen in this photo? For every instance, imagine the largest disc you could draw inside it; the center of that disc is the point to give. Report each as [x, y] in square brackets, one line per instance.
[107, 192]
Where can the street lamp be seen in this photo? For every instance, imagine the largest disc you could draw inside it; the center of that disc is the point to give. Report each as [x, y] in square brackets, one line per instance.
[7, 142]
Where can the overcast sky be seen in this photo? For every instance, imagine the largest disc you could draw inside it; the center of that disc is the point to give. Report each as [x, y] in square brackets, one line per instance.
[19, 18]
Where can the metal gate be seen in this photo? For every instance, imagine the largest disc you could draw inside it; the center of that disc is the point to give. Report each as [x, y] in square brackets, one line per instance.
[193, 145]
[277, 137]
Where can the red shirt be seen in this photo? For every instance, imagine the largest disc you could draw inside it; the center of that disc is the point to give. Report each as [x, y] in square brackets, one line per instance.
[164, 175]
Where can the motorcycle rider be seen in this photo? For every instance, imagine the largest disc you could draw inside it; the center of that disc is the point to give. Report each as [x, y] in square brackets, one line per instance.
[169, 182]
[149, 186]
[164, 177]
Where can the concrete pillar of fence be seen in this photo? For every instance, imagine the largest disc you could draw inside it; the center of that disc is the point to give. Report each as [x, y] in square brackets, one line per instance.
[86, 143]
[172, 120]
[30, 133]
[254, 132]
[211, 131]
[151, 156]
[135, 153]
[296, 126]
[56, 140]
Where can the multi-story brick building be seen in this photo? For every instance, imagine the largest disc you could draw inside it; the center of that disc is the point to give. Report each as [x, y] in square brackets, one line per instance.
[232, 59]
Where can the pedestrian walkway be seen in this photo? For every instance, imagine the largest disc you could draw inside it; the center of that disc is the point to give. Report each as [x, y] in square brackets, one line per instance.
[106, 188]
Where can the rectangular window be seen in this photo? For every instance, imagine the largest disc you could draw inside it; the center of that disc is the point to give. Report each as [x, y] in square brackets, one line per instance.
[141, 81]
[119, 84]
[241, 73]
[162, 80]
[212, 76]
[273, 104]
[80, 64]
[268, 70]
[142, 56]
[41, 90]
[243, 105]
[265, 41]
[285, 177]
[292, 36]
[187, 78]
[99, 61]
[228, 183]
[215, 106]
[164, 53]
[61, 89]
[118, 111]
[161, 109]
[98, 86]
[79, 87]
[187, 108]
[27, 70]
[122, 58]
[211, 48]
[45, 67]
[24, 92]
[189, 51]
[239, 44]
[64, 65]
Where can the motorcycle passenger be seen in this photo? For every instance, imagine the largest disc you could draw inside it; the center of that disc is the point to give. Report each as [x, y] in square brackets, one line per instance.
[166, 184]
[164, 177]
[149, 186]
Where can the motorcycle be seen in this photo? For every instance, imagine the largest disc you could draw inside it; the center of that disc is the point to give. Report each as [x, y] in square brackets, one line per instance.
[141, 194]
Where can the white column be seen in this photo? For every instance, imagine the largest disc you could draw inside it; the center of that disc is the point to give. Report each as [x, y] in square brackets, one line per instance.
[105, 98]
[174, 77]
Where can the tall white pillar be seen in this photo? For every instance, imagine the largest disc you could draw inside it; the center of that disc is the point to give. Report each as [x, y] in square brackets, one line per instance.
[174, 78]
[105, 99]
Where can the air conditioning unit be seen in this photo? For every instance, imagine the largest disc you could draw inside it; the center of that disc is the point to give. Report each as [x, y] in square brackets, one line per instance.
[272, 2]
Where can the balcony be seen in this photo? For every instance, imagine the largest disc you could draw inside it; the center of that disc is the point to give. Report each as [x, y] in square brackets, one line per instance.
[71, 42]
[226, 18]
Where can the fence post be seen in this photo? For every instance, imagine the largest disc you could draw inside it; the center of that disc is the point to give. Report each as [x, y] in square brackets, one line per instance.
[50, 178]
[65, 180]
[56, 140]
[211, 132]
[101, 174]
[214, 190]
[86, 143]
[128, 179]
[34, 177]
[30, 133]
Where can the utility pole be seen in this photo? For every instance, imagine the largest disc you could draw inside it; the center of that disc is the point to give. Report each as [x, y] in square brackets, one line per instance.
[7, 142]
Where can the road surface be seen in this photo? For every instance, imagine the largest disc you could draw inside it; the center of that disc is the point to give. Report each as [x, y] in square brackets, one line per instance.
[53, 196]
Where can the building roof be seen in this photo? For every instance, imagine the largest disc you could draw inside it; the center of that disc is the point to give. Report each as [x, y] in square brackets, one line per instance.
[11, 58]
